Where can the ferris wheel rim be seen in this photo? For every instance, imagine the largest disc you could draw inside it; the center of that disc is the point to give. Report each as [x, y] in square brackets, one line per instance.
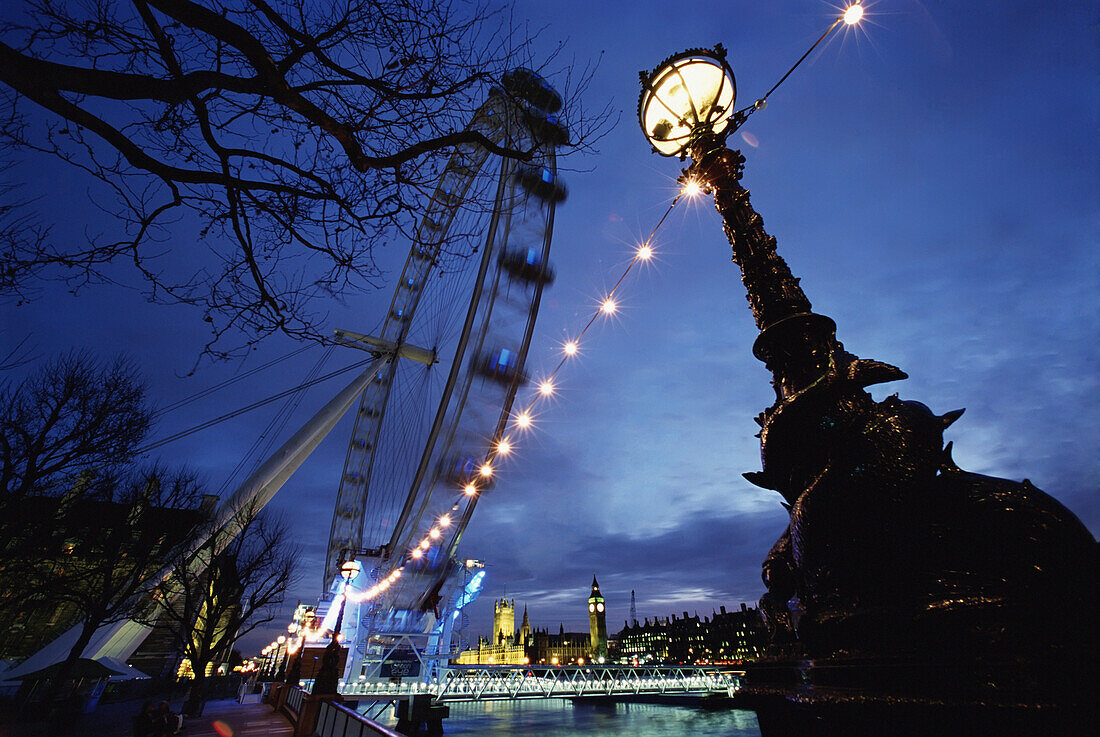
[462, 349]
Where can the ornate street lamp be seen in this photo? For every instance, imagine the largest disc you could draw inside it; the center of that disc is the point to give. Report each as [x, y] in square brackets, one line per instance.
[688, 95]
[327, 680]
[894, 560]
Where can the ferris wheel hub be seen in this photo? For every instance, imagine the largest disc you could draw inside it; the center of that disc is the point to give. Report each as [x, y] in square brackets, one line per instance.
[426, 356]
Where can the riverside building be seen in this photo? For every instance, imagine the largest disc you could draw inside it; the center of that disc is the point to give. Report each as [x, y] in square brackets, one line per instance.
[528, 646]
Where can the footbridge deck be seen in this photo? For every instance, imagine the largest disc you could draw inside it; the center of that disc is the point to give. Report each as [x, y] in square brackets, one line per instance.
[508, 682]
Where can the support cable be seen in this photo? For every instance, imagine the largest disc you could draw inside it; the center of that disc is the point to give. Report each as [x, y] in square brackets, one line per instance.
[211, 389]
[274, 427]
[254, 405]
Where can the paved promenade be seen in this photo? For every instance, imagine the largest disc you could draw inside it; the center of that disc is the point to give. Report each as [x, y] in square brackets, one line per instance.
[222, 718]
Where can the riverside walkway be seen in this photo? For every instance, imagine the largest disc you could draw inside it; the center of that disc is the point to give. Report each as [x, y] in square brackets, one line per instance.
[221, 718]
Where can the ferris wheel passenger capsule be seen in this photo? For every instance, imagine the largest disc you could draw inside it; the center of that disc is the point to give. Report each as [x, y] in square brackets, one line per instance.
[541, 182]
[527, 265]
[546, 127]
[502, 366]
[532, 88]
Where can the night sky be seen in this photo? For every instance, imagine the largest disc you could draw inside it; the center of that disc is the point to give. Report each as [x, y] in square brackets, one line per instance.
[931, 177]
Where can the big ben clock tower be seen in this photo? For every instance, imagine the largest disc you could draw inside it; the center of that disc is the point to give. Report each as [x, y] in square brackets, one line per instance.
[597, 626]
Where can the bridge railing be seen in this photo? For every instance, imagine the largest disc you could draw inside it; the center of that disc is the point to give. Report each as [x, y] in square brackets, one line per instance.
[335, 720]
[479, 683]
[476, 683]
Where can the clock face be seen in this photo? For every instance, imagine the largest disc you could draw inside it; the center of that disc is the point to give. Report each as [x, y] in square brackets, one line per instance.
[599, 607]
[591, 607]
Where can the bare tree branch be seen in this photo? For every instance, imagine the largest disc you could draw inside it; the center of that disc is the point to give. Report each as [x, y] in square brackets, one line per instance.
[72, 415]
[295, 138]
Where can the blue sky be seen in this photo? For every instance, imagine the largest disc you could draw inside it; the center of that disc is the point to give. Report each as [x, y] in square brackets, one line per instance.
[933, 180]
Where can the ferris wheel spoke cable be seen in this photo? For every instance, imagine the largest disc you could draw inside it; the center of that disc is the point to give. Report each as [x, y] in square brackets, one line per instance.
[413, 391]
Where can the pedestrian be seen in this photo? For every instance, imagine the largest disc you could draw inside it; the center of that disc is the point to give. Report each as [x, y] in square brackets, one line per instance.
[146, 723]
[167, 720]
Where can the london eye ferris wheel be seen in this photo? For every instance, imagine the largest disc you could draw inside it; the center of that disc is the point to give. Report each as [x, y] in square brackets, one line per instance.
[426, 433]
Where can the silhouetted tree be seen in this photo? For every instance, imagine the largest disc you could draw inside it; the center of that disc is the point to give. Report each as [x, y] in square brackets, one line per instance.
[222, 592]
[95, 548]
[65, 422]
[82, 527]
[298, 136]
[73, 414]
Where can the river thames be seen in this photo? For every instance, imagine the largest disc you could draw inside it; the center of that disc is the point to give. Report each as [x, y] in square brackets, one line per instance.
[561, 718]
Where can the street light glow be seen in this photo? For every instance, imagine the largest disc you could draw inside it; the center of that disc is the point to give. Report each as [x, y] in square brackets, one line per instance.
[570, 348]
[608, 307]
[645, 252]
[486, 470]
[470, 489]
[504, 447]
[853, 14]
[546, 388]
[691, 188]
[523, 419]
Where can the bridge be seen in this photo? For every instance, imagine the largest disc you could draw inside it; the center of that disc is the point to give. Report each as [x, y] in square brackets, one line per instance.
[511, 682]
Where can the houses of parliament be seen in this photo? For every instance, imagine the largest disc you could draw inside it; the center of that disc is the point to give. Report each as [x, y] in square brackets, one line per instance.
[509, 646]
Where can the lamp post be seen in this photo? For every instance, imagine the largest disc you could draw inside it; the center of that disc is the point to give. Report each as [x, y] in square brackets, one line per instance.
[294, 670]
[269, 660]
[282, 642]
[327, 680]
[893, 554]
[274, 659]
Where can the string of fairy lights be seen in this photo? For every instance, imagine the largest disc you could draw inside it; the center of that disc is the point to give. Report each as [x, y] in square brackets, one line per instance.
[523, 419]
[519, 421]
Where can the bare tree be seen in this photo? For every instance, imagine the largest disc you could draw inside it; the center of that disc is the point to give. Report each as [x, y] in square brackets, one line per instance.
[220, 594]
[296, 138]
[73, 414]
[81, 528]
[97, 546]
[66, 421]
[20, 233]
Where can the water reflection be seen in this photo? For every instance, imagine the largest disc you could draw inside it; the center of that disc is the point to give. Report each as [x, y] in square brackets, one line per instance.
[560, 718]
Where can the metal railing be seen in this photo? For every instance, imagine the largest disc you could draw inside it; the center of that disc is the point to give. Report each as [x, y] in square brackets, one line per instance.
[294, 700]
[334, 720]
[483, 683]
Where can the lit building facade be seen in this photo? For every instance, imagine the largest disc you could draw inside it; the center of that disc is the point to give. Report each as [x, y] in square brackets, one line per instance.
[526, 645]
[724, 637]
[507, 646]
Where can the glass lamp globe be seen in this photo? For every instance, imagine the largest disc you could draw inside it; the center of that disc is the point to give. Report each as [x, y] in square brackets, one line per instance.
[689, 94]
[351, 569]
